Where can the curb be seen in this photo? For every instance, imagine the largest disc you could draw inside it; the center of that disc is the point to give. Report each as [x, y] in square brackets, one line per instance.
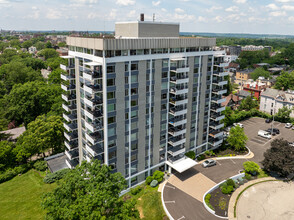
[163, 204]
[241, 175]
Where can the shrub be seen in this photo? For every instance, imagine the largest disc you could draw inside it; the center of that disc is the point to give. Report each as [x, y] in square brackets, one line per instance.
[209, 153]
[247, 176]
[135, 191]
[227, 189]
[53, 177]
[207, 201]
[40, 165]
[10, 173]
[201, 157]
[148, 180]
[191, 154]
[251, 167]
[158, 175]
[230, 182]
[154, 183]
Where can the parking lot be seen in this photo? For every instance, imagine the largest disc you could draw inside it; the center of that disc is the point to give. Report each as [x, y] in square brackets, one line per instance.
[181, 205]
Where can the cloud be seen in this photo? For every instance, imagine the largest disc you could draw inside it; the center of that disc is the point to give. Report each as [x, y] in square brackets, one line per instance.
[125, 2]
[179, 10]
[218, 19]
[291, 18]
[164, 10]
[214, 8]
[131, 14]
[34, 7]
[84, 1]
[284, 1]
[278, 13]
[201, 19]
[232, 9]
[240, 1]
[288, 7]
[183, 17]
[272, 6]
[53, 14]
[156, 3]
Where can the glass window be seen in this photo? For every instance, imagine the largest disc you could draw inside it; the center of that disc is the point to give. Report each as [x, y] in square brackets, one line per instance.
[164, 85]
[112, 155]
[134, 125]
[196, 60]
[162, 127]
[134, 136]
[111, 95]
[110, 107]
[98, 53]
[134, 66]
[111, 120]
[134, 147]
[164, 75]
[134, 79]
[134, 91]
[134, 103]
[126, 67]
[118, 53]
[134, 114]
[111, 143]
[110, 68]
[110, 82]
[111, 132]
[124, 52]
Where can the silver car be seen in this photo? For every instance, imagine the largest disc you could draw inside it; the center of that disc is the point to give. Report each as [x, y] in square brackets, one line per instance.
[209, 163]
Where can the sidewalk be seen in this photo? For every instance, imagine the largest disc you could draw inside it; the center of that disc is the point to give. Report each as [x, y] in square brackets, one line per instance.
[240, 189]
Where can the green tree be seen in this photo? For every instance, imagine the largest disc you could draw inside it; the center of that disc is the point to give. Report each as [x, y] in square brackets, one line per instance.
[90, 191]
[36, 64]
[279, 158]
[285, 81]
[237, 138]
[7, 155]
[283, 114]
[54, 63]
[15, 43]
[54, 76]
[228, 120]
[3, 90]
[25, 102]
[27, 44]
[48, 44]
[251, 167]
[260, 72]
[43, 134]
[40, 45]
[61, 44]
[48, 53]
[248, 103]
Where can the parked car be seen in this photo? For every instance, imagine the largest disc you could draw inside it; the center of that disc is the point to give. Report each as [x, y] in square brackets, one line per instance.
[291, 144]
[288, 125]
[238, 124]
[209, 163]
[273, 131]
[264, 134]
[268, 120]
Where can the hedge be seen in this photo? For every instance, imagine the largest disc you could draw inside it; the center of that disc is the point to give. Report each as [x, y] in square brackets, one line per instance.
[10, 173]
[207, 201]
[53, 177]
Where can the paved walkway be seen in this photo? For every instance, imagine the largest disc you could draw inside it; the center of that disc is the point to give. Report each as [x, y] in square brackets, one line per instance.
[194, 184]
[236, 193]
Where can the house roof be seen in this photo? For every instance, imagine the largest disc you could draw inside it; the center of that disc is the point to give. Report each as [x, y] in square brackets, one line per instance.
[230, 97]
[279, 95]
[244, 93]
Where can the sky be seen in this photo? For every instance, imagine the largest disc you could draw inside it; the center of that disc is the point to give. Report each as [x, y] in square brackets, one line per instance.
[217, 16]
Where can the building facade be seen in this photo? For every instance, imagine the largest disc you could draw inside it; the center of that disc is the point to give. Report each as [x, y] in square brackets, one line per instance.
[139, 103]
[271, 100]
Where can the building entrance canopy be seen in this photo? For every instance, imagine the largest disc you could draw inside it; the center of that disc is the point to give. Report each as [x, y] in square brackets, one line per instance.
[182, 165]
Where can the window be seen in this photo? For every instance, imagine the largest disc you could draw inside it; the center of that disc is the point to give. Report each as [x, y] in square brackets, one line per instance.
[112, 155]
[134, 170]
[134, 147]
[127, 116]
[134, 79]
[163, 107]
[134, 66]
[111, 132]
[118, 53]
[162, 137]
[196, 60]
[111, 95]
[164, 75]
[134, 157]
[109, 53]
[110, 82]
[164, 63]
[98, 53]
[110, 107]
[134, 114]
[163, 96]
[124, 52]
[126, 67]
[134, 136]
[134, 103]
[134, 91]
[111, 69]
[162, 127]
[126, 80]
[134, 125]
[111, 120]
[111, 143]
[164, 85]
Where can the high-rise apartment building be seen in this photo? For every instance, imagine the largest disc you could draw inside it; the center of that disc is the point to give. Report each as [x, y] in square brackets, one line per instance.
[138, 101]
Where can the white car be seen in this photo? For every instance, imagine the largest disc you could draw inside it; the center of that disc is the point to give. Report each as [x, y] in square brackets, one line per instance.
[288, 125]
[209, 163]
[264, 134]
[238, 124]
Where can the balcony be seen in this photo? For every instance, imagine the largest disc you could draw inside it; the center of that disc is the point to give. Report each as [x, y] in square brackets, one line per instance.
[70, 127]
[220, 73]
[93, 114]
[178, 111]
[72, 154]
[216, 134]
[71, 163]
[217, 116]
[178, 90]
[94, 126]
[178, 100]
[93, 88]
[65, 68]
[71, 136]
[65, 107]
[174, 131]
[216, 125]
[219, 91]
[217, 108]
[93, 101]
[179, 79]
[175, 151]
[68, 97]
[70, 117]
[64, 87]
[70, 145]
[95, 150]
[91, 75]
[175, 141]
[176, 159]
[94, 138]
[218, 100]
[216, 142]
[176, 122]
[220, 82]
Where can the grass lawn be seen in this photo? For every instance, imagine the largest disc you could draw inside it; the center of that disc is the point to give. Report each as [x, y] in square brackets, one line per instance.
[149, 203]
[21, 196]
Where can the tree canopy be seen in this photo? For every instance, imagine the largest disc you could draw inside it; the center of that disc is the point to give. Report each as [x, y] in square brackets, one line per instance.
[237, 138]
[279, 158]
[90, 191]
[48, 53]
[248, 103]
[283, 114]
[285, 81]
[260, 72]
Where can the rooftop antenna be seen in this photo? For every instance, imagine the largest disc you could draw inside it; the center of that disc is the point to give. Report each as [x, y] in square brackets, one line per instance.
[153, 17]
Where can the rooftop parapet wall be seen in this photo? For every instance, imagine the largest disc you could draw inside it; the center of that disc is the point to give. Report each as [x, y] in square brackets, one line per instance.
[139, 43]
